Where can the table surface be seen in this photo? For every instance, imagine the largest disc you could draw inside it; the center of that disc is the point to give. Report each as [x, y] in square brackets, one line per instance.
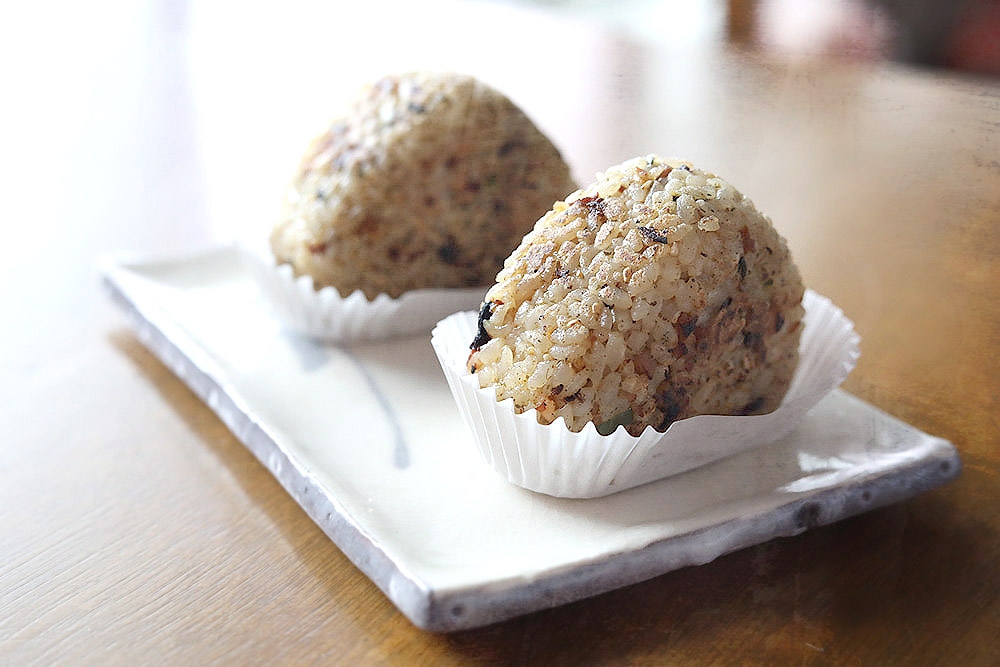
[135, 528]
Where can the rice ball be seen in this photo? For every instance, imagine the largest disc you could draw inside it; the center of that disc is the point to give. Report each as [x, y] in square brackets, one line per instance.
[429, 181]
[657, 293]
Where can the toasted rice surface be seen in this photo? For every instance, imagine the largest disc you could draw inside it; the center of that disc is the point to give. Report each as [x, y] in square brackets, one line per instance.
[657, 293]
[429, 181]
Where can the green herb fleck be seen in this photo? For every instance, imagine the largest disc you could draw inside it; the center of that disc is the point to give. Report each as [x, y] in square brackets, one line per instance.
[621, 419]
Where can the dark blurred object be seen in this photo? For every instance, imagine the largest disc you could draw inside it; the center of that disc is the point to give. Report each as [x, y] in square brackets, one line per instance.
[959, 34]
[964, 34]
[974, 39]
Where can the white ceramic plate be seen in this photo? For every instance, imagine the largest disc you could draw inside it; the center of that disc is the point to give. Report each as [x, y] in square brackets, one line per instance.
[368, 440]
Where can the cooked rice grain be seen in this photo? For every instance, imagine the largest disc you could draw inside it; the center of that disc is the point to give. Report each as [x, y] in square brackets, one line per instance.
[655, 294]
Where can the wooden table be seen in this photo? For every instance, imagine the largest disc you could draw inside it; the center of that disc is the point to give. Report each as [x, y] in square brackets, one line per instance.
[135, 529]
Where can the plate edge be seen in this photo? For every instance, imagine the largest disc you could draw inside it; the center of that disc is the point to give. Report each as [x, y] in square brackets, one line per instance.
[797, 516]
[169, 343]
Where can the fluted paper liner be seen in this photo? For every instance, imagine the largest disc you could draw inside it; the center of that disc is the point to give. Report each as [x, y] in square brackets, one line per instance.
[553, 460]
[326, 316]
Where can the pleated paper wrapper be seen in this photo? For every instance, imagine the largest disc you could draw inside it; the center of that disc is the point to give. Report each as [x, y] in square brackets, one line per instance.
[551, 459]
[326, 316]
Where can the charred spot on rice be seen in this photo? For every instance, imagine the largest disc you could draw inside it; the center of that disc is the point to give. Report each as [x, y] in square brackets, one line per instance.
[482, 337]
[653, 235]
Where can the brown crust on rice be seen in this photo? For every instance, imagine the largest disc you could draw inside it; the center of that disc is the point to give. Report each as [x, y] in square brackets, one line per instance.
[655, 294]
[430, 181]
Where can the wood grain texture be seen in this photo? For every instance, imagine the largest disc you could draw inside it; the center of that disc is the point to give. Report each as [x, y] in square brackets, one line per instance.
[134, 528]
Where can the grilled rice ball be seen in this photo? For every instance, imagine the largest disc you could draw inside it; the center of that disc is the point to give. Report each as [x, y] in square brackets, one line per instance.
[655, 294]
[430, 180]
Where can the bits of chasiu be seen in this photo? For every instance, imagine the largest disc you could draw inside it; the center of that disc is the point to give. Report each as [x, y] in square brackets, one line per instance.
[657, 293]
[429, 181]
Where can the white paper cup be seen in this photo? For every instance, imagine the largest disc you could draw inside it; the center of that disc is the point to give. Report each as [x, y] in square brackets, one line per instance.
[553, 460]
[326, 316]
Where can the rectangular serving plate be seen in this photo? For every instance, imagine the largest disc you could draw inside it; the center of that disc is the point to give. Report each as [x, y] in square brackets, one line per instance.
[367, 439]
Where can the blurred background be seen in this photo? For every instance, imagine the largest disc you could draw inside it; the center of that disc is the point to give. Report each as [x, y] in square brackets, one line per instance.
[956, 34]
[204, 107]
[959, 34]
